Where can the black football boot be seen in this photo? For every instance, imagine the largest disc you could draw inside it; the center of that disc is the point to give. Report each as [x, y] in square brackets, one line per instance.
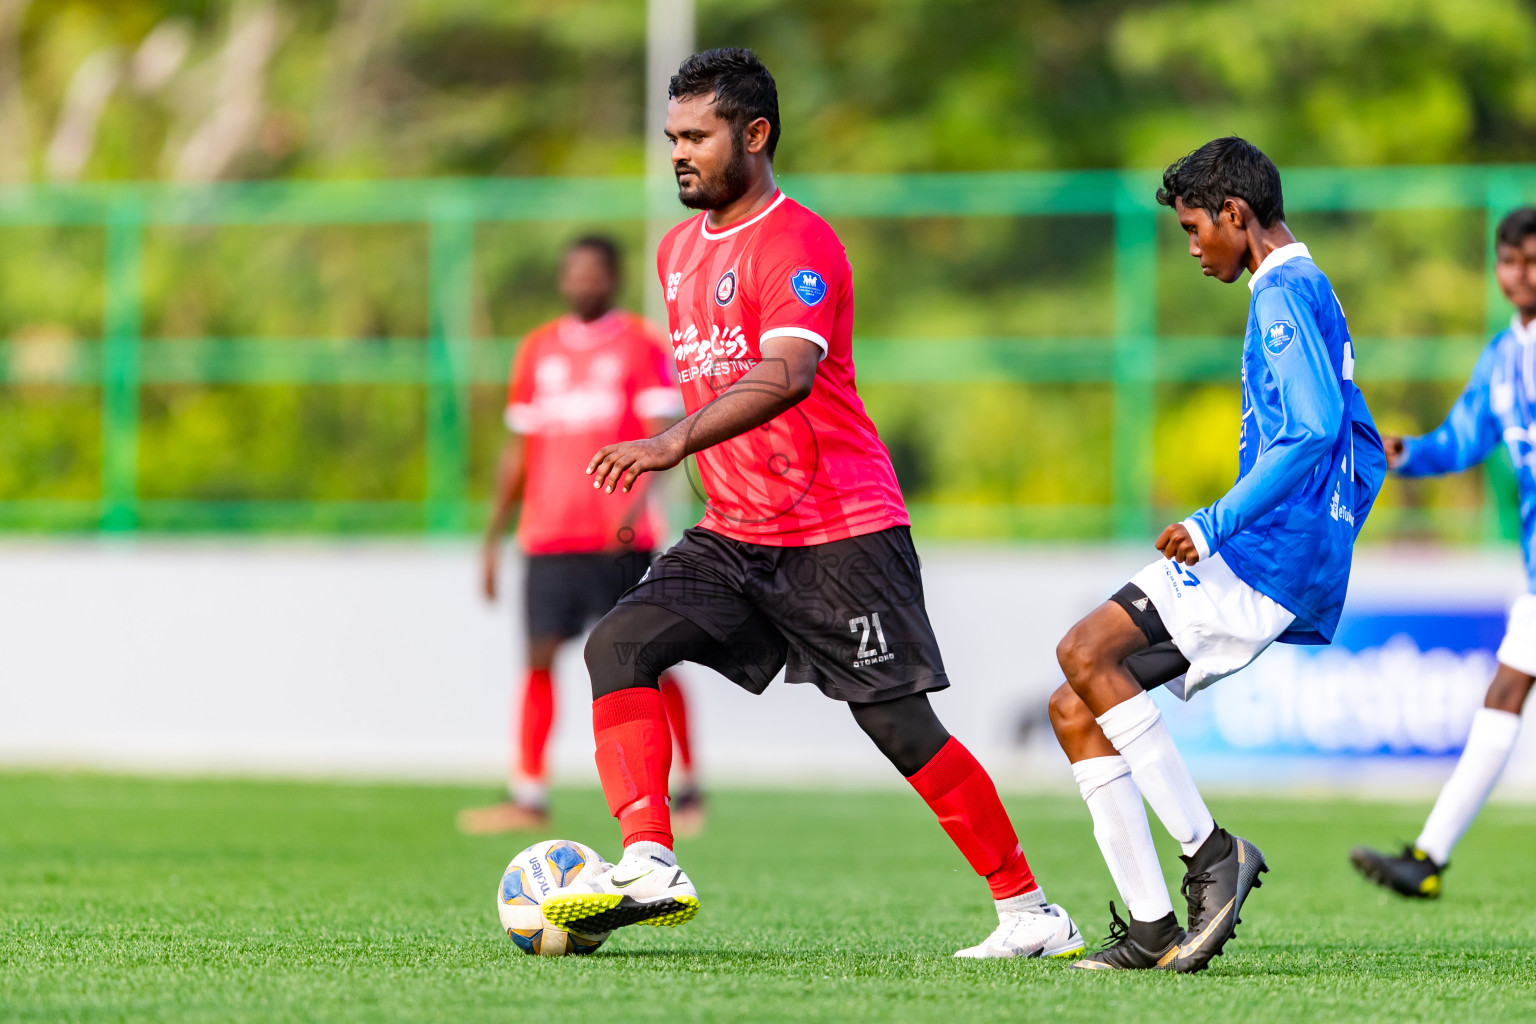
[1217, 879]
[1136, 945]
[1413, 873]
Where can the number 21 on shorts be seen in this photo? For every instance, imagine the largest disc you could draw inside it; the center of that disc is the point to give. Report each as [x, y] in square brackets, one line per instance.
[864, 622]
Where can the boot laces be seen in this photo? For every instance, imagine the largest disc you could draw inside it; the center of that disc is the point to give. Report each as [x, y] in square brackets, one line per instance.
[1119, 929]
[1193, 890]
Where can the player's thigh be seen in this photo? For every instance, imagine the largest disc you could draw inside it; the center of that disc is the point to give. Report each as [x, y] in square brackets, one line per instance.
[1512, 682]
[855, 615]
[1104, 637]
[1517, 658]
[636, 642]
[701, 579]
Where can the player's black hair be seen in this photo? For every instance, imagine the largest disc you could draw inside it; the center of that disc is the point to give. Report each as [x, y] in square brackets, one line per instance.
[1517, 226]
[1221, 168]
[604, 246]
[743, 89]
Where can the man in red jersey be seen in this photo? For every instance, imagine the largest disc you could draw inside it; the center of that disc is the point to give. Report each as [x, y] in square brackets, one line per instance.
[803, 561]
[594, 376]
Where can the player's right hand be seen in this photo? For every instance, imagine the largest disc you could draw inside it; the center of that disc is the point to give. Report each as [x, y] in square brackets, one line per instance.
[1175, 543]
[490, 558]
[1396, 450]
[620, 465]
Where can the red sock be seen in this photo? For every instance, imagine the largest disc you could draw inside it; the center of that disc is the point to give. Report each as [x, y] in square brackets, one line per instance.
[538, 716]
[677, 716]
[961, 793]
[634, 755]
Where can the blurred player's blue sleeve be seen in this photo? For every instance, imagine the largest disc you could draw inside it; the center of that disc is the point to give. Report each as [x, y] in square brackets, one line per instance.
[1466, 437]
[1299, 409]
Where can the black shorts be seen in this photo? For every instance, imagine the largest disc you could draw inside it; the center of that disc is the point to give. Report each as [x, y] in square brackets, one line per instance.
[847, 616]
[1161, 661]
[567, 593]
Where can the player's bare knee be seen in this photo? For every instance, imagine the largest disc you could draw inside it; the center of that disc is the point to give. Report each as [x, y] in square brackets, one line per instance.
[541, 652]
[1508, 690]
[1076, 655]
[1069, 715]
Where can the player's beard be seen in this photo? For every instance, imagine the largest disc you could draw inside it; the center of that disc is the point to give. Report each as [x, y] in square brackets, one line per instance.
[725, 188]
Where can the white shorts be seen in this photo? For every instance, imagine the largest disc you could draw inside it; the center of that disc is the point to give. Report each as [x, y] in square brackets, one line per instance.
[1218, 622]
[1518, 650]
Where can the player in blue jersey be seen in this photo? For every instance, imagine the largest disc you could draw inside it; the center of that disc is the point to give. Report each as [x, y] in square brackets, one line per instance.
[1268, 561]
[1499, 404]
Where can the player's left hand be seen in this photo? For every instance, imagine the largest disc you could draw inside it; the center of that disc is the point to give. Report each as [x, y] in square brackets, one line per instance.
[1176, 543]
[620, 465]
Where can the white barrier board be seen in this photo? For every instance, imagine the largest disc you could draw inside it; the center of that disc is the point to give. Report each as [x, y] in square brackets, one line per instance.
[381, 659]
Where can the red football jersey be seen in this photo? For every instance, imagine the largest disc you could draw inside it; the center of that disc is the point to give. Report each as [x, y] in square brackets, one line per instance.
[576, 387]
[819, 472]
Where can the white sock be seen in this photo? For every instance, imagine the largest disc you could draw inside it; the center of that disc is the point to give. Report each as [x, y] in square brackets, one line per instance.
[529, 793]
[1136, 728]
[652, 851]
[1125, 838]
[1482, 762]
[1032, 902]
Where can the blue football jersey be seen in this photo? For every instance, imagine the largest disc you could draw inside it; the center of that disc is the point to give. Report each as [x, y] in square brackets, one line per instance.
[1310, 461]
[1498, 404]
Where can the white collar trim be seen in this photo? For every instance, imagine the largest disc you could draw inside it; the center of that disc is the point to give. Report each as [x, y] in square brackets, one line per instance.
[1523, 334]
[728, 232]
[1284, 254]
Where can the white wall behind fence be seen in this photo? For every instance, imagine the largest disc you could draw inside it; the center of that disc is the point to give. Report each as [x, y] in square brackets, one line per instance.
[381, 659]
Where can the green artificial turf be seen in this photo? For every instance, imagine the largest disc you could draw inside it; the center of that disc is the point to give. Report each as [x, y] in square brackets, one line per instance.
[130, 899]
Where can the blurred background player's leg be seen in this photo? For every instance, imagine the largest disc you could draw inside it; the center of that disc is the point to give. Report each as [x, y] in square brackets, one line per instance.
[687, 798]
[527, 803]
[1416, 871]
[528, 784]
[557, 592]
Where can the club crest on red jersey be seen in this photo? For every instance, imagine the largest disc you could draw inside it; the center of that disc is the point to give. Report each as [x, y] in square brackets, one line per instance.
[725, 288]
[809, 286]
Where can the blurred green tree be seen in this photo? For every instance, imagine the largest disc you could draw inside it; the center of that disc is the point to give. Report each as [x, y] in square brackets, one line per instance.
[203, 90]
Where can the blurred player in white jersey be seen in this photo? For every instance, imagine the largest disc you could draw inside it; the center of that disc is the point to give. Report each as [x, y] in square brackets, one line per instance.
[1498, 405]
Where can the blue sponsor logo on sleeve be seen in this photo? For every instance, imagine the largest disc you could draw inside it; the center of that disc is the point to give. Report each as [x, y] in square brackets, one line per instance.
[1279, 336]
[809, 286]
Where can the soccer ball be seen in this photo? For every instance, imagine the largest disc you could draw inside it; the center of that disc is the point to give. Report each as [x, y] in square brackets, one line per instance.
[534, 875]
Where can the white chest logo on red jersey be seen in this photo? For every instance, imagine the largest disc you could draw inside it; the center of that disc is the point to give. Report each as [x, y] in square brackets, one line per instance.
[673, 280]
[722, 343]
[565, 401]
[553, 373]
[607, 370]
[725, 288]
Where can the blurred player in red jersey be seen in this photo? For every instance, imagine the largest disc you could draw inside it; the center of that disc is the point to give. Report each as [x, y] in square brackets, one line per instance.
[804, 560]
[592, 377]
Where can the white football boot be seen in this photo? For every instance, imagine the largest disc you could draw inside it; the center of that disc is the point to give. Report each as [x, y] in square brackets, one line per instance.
[1028, 929]
[642, 888]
